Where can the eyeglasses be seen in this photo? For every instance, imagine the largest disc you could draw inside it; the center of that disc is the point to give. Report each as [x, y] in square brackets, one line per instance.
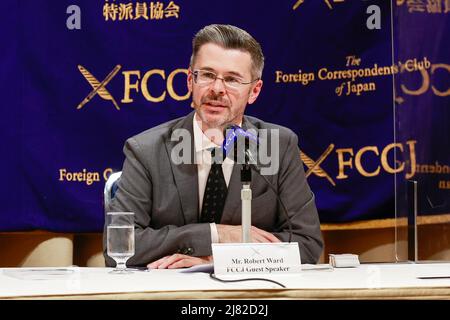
[204, 77]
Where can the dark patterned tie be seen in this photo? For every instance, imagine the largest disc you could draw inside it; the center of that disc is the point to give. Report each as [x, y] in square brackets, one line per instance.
[215, 190]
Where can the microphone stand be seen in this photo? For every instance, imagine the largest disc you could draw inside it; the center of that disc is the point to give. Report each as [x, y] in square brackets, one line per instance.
[232, 141]
[246, 197]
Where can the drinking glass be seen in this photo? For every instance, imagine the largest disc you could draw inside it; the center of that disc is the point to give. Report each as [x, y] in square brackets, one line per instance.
[120, 239]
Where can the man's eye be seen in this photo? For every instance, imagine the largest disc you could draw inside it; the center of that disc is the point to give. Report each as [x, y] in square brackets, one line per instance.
[208, 75]
[231, 80]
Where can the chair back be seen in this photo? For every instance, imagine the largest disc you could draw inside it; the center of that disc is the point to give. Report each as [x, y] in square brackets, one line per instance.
[111, 186]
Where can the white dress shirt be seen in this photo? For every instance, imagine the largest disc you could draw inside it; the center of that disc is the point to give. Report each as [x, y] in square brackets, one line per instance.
[203, 160]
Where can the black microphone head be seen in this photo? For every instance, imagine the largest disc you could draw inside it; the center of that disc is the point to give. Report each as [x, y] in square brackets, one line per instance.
[228, 145]
[228, 128]
[239, 143]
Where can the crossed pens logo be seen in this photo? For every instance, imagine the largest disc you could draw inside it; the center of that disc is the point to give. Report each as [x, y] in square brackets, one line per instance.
[327, 2]
[98, 87]
[314, 166]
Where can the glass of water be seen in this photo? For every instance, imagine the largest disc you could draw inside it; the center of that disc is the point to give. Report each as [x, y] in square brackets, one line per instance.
[120, 239]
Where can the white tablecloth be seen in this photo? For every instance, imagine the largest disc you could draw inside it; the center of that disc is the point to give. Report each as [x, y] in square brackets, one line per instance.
[369, 279]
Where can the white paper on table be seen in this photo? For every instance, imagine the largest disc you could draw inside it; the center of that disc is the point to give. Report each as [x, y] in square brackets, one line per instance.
[40, 273]
[317, 267]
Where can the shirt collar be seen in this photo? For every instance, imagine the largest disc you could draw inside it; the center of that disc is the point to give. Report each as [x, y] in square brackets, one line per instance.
[201, 141]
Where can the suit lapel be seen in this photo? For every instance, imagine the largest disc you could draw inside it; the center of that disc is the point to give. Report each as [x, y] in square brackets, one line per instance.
[185, 175]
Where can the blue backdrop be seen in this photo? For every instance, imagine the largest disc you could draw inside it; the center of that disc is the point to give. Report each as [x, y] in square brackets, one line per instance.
[328, 77]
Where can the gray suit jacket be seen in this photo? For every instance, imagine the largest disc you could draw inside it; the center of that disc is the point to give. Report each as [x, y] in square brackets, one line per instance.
[164, 197]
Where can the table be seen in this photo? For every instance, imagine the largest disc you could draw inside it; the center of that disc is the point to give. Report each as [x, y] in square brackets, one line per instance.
[368, 281]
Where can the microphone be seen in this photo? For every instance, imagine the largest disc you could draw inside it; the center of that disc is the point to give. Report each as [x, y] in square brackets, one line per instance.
[232, 133]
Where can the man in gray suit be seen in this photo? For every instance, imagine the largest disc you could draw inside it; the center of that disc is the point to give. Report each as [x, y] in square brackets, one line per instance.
[177, 212]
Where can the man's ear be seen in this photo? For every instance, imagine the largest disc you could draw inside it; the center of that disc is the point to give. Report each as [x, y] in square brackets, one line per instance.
[189, 80]
[254, 93]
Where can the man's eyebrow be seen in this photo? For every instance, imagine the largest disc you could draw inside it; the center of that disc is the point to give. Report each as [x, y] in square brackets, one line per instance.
[234, 73]
[207, 69]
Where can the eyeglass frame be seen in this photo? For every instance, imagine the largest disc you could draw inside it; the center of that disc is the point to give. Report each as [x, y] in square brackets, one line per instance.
[195, 73]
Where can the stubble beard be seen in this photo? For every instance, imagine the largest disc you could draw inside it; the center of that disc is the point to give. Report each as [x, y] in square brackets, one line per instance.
[214, 122]
[210, 122]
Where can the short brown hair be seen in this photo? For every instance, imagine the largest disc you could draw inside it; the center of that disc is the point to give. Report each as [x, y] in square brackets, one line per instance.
[230, 37]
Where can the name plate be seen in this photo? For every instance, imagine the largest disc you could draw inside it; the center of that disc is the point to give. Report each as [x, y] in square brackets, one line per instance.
[256, 258]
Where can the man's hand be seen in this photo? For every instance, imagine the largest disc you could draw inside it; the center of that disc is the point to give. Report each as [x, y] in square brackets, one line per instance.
[233, 234]
[177, 260]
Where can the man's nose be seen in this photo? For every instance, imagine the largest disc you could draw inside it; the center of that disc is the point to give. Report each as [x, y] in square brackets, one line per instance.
[218, 86]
